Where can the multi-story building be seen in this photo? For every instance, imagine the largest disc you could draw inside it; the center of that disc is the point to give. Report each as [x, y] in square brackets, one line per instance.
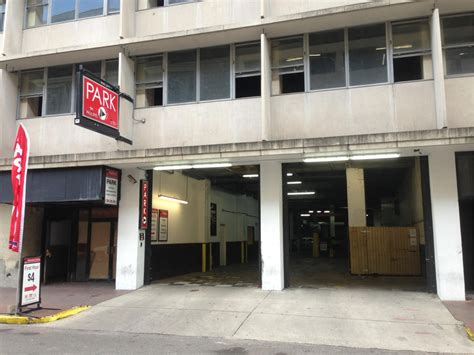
[267, 130]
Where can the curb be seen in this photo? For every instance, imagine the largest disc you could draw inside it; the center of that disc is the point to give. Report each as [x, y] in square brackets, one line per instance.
[14, 319]
[470, 333]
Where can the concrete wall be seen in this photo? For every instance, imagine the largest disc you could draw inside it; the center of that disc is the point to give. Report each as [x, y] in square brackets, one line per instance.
[237, 212]
[285, 7]
[85, 33]
[364, 110]
[8, 100]
[205, 13]
[186, 223]
[460, 101]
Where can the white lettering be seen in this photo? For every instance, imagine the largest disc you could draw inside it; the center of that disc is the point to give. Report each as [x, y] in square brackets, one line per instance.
[89, 89]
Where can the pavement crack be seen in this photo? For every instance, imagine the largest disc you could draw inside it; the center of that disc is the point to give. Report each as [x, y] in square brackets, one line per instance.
[250, 313]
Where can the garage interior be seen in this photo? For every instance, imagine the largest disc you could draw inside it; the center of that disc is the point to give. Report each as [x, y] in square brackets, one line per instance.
[329, 246]
[212, 235]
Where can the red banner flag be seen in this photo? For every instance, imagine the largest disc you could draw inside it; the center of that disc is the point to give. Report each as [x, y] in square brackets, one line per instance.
[19, 170]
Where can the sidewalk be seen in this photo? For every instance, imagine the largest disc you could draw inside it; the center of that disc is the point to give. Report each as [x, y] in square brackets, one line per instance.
[62, 296]
[361, 318]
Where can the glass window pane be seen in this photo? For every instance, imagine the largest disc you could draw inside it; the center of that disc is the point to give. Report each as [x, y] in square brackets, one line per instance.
[111, 72]
[172, 2]
[62, 10]
[458, 30]
[37, 2]
[37, 16]
[367, 55]
[58, 90]
[247, 58]
[286, 52]
[2, 20]
[88, 8]
[214, 73]
[114, 6]
[182, 77]
[460, 60]
[150, 70]
[94, 67]
[32, 82]
[327, 60]
[411, 37]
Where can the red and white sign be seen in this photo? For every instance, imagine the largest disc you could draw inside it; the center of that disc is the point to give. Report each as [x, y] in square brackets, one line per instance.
[144, 196]
[19, 171]
[99, 103]
[163, 229]
[30, 287]
[111, 187]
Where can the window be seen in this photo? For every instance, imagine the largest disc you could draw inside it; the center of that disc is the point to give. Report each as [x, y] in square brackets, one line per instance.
[31, 93]
[182, 77]
[42, 12]
[148, 4]
[2, 14]
[411, 51]
[458, 37]
[214, 73]
[111, 71]
[89, 8]
[149, 79]
[287, 65]
[63, 10]
[36, 13]
[247, 70]
[367, 55]
[59, 90]
[327, 60]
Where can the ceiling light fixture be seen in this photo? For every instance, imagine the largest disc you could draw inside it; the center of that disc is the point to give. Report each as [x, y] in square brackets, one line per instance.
[310, 211]
[250, 176]
[318, 211]
[301, 193]
[305, 215]
[172, 167]
[376, 156]
[294, 182]
[327, 211]
[212, 165]
[289, 174]
[172, 199]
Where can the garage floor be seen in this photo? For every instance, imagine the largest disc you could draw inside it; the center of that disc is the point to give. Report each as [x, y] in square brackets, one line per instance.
[304, 273]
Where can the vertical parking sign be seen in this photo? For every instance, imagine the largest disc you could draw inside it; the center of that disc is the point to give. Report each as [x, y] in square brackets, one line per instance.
[30, 285]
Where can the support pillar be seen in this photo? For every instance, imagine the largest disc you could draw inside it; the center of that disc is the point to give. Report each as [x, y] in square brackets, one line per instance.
[438, 70]
[446, 226]
[356, 197]
[271, 210]
[265, 83]
[130, 250]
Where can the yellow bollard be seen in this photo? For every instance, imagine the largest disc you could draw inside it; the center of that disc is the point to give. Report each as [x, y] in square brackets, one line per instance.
[204, 246]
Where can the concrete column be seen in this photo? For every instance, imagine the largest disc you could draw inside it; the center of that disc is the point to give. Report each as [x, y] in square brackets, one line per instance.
[446, 226]
[438, 70]
[13, 27]
[126, 81]
[266, 79]
[127, 18]
[8, 103]
[271, 206]
[356, 197]
[130, 250]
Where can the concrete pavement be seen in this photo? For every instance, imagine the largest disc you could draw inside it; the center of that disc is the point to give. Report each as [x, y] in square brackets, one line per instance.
[355, 318]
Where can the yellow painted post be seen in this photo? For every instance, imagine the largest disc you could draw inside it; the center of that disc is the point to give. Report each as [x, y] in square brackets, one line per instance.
[242, 252]
[204, 246]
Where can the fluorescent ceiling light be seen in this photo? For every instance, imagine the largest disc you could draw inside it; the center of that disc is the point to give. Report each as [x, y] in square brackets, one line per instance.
[172, 199]
[327, 211]
[301, 193]
[212, 165]
[250, 176]
[305, 215]
[289, 174]
[294, 59]
[325, 159]
[294, 182]
[376, 156]
[310, 211]
[173, 167]
[318, 211]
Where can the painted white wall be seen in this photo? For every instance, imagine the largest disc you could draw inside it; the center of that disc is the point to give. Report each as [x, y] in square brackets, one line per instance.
[205, 13]
[130, 250]
[186, 223]
[271, 206]
[13, 26]
[237, 212]
[285, 7]
[460, 101]
[81, 33]
[363, 110]
[446, 225]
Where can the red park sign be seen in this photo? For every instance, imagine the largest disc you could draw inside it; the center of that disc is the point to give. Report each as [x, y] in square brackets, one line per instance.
[99, 103]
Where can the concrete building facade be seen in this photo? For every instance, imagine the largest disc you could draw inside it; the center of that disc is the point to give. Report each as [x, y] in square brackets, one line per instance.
[260, 83]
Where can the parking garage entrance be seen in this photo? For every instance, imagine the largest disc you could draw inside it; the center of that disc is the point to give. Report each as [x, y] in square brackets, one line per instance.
[205, 225]
[357, 224]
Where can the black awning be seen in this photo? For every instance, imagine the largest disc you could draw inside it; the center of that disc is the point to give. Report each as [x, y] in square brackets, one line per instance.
[58, 185]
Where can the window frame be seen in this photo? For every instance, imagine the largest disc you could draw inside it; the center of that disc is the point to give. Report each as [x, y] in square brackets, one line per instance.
[2, 14]
[48, 5]
[42, 95]
[151, 84]
[454, 46]
[245, 74]
[165, 4]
